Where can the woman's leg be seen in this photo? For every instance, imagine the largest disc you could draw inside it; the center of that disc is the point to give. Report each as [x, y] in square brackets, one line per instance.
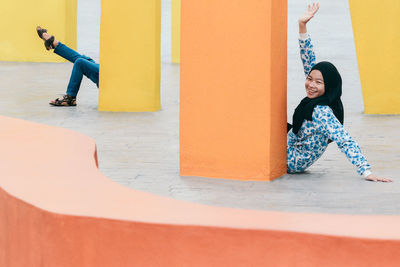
[82, 67]
[64, 51]
[69, 54]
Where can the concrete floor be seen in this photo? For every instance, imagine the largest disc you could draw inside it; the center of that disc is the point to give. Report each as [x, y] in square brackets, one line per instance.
[140, 150]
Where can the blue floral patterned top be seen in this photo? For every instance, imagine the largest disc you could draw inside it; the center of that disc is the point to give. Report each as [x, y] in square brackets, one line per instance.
[312, 139]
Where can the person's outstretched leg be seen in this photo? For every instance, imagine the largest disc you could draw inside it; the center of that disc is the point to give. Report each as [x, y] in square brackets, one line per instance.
[69, 54]
[64, 51]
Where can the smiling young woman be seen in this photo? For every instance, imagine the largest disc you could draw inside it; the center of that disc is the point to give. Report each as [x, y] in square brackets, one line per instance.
[318, 119]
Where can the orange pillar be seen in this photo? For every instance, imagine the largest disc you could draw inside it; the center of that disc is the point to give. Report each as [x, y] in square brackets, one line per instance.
[233, 89]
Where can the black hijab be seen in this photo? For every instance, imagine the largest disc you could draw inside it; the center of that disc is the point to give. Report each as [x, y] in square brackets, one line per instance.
[331, 97]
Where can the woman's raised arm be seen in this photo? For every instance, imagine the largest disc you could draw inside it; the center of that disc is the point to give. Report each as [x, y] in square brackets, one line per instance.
[309, 14]
[307, 54]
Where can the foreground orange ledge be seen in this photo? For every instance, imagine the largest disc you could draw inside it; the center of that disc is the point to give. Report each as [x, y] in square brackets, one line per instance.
[53, 217]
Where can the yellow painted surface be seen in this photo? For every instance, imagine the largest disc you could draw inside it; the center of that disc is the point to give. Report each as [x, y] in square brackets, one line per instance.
[176, 31]
[130, 55]
[377, 38]
[19, 18]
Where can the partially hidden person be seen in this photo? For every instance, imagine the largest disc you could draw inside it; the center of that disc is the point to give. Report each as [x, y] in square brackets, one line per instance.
[83, 66]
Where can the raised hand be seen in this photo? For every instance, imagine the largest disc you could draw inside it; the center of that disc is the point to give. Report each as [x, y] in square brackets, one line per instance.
[309, 14]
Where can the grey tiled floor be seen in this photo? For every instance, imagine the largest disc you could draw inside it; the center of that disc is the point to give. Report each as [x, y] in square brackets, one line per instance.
[140, 150]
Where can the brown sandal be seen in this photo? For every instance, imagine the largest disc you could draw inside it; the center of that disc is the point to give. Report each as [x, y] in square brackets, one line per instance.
[47, 43]
[66, 101]
[40, 31]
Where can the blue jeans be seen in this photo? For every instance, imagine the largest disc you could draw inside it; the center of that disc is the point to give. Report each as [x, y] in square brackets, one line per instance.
[83, 65]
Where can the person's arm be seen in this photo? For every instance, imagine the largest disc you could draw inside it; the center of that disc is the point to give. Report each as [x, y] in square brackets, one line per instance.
[326, 122]
[306, 48]
[307, 54]
[309, 14]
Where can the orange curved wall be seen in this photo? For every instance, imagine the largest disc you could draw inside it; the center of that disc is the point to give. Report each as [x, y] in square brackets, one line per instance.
[233, 89]
[82, 218]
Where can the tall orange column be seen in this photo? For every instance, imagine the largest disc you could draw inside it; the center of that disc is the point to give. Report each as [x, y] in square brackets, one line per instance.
[233, 89]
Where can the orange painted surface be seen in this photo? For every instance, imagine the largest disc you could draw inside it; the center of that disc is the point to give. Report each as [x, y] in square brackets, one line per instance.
[82, 218]
[233, 89]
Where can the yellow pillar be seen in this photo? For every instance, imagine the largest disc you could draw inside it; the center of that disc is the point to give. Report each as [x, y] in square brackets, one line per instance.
[377, 39]
[176, 30]
[19, 18]
[130, 55]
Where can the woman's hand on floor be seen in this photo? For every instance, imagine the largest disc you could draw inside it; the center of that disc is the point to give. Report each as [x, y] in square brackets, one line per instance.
[375, 178]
